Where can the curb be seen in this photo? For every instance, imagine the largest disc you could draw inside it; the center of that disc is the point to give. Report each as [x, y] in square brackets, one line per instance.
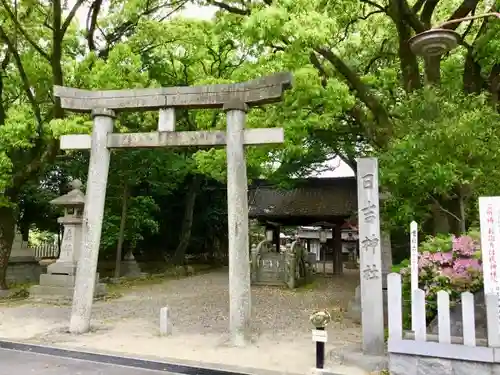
[122, 361]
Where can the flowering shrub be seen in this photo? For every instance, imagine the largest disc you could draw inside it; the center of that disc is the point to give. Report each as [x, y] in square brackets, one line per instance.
[449, 264]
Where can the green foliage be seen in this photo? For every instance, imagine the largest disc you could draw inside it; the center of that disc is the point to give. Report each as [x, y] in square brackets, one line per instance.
[37, 237]
[140, 222]
[357, 91]
[445, 144]
[448, 263]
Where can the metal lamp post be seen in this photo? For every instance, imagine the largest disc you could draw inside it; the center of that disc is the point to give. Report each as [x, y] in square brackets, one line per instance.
[437, 41]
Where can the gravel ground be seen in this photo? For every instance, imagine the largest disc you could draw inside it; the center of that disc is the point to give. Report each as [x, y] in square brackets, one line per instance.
[199, 311]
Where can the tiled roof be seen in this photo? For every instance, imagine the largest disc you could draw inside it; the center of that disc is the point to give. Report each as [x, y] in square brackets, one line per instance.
[313, 197]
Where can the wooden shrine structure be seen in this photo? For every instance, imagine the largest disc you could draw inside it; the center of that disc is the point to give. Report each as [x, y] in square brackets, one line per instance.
[323, 202]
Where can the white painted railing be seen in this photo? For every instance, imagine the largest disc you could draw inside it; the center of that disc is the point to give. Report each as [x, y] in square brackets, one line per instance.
[442, 345]
[46, 250]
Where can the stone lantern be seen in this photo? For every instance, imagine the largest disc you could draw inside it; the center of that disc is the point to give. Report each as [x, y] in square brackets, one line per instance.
[59, 281]
[73, 204]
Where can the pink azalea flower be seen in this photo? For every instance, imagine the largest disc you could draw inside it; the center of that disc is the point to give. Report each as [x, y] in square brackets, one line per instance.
[447, 271]
[463, 246]
[442, 258]
[464, 265]
[424, 260]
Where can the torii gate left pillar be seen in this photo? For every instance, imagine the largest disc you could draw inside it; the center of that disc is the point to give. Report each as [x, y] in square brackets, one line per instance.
[235, 100]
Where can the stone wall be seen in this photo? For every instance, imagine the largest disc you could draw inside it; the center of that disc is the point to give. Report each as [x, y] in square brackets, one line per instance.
[404, 364]
[23, 270]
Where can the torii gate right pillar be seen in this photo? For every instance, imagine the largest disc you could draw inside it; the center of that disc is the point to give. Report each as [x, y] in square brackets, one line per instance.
[237, 217]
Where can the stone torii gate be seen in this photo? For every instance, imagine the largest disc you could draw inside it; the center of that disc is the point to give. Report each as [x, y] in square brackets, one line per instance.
[103, 105]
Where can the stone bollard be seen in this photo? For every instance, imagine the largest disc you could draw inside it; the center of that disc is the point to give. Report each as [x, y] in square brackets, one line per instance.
[165, 323]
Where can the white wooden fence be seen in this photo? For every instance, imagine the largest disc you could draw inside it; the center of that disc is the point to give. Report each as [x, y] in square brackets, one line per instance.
[46, 250]
[442, 345]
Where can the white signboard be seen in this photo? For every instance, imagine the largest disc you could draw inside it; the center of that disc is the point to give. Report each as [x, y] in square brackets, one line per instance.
[413, 264]
[319, 335]
[489, 214]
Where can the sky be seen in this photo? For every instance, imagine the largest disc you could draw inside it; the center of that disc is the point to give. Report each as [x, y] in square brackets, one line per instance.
[334, 168]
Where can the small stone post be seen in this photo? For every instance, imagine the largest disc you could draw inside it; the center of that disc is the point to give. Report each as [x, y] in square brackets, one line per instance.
[237, 208]
[92, 221]
[165, 324]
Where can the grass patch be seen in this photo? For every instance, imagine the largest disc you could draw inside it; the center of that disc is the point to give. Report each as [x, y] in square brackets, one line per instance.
[309, 286]
[16, 292]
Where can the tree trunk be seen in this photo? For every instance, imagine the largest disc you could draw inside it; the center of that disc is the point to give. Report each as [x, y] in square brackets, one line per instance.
[121, 234]
[472, 79]
[25, 231]
[407, 59]
[457, 217]
[461, 203]
[7, 229]
[440, 219]
[56, 56]
[187, 224]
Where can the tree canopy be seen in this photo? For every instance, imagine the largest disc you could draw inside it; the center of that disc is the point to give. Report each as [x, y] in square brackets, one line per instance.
[358, 90]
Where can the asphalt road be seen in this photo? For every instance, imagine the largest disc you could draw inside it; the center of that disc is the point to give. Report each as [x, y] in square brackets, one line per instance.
[25, 363]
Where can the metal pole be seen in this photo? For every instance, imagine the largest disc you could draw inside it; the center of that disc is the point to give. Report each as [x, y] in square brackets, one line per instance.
[320, 351]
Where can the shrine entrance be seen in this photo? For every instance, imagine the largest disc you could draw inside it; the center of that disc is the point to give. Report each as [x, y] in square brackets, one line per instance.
[317, 213]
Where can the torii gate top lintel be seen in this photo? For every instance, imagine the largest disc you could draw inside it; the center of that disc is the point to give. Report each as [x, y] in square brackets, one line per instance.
[260, 91]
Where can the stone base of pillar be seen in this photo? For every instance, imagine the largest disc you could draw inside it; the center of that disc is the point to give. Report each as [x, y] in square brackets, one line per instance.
[354, 307]
[23, 269]
[130, 268]
[60, 288]
[61, 268]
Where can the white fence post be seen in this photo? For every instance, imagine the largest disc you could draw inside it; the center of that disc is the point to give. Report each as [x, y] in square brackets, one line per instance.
[418, 303]
[46, 250]
[394, 306]
[444, 329]
[413, 265]
[468, 319]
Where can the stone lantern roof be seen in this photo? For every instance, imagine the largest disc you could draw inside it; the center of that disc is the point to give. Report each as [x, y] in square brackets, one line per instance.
[74, 198]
